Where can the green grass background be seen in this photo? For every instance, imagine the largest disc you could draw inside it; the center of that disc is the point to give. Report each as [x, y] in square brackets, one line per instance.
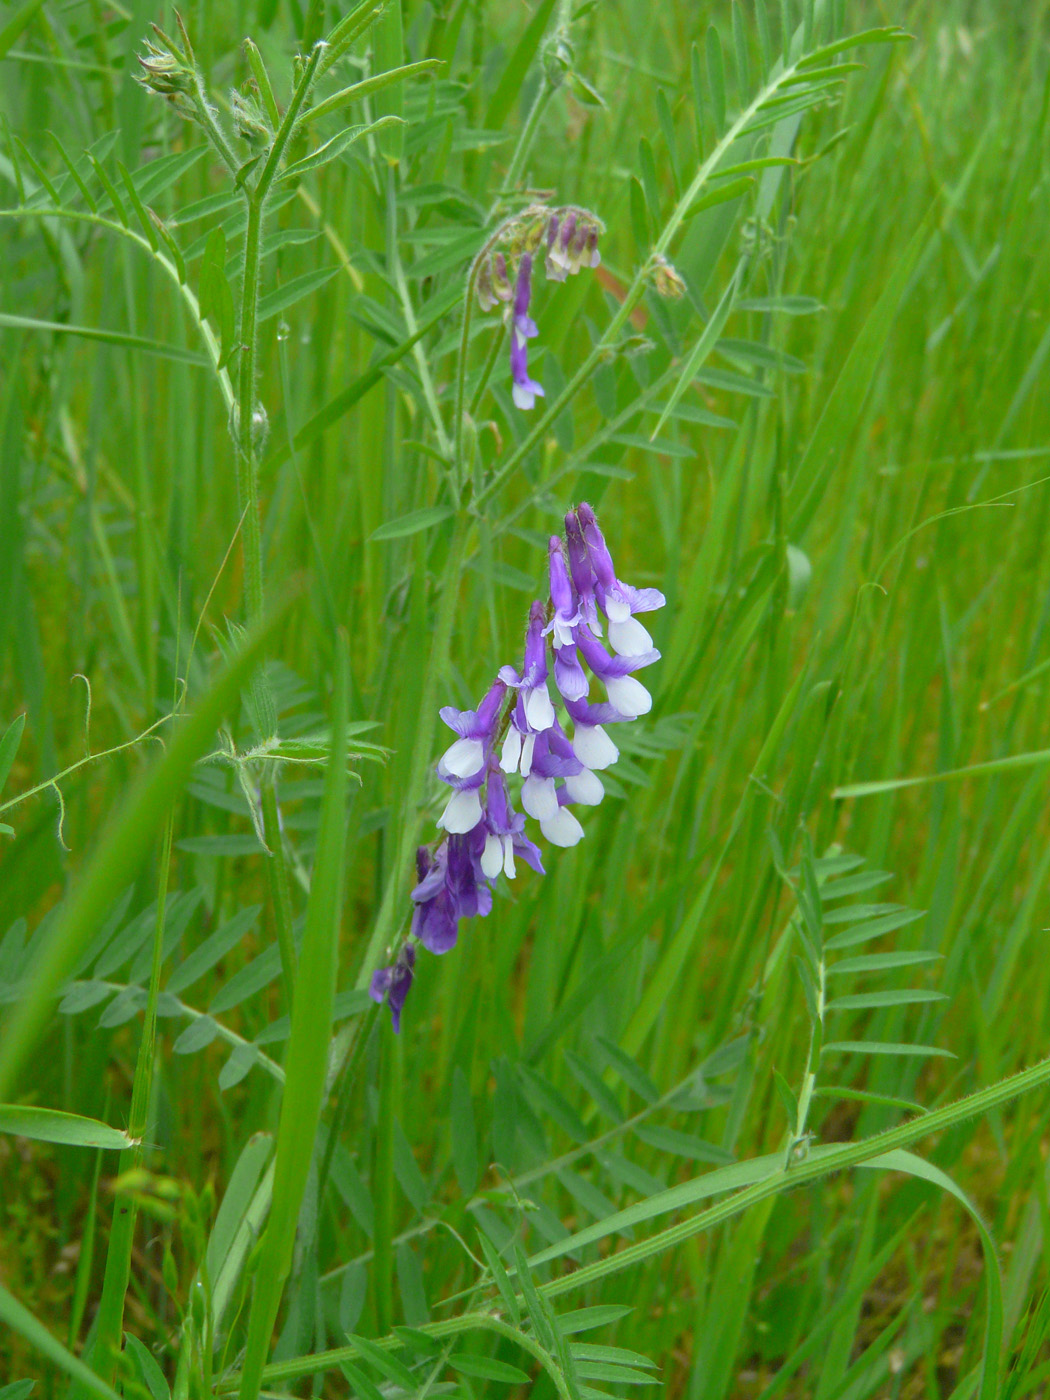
[906, 597]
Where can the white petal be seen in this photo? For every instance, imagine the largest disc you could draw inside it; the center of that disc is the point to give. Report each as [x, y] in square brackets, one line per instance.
[523, 398]
[527, 746]
[617, 608]
[629, 696]
[508, 857]
[593, 746]
[462, 812]
[539, 798]
[492, 856]
[511, 751]
[562, 829]
[629, 638]
[538, 708]
[464, 758]
[585, 787]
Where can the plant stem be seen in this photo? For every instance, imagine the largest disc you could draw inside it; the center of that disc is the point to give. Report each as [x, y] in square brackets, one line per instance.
[487, 368]
[248, 493]
[211, 128]
[110, 1323]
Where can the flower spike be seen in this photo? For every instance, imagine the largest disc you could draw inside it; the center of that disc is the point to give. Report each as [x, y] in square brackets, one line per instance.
[516, 729]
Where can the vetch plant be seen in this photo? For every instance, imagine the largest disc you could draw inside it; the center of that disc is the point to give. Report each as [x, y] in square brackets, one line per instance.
[516, 731]
[401, 477]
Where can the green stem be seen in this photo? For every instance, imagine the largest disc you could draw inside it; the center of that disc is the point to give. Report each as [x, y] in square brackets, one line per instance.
[426, 379]
[544, 93]
[248, 493]
[83, 216]
[211, 128]
[110, 1323]
[487, 368]
[420, 769]
[247, 462]
[280, 891]
[528, 134]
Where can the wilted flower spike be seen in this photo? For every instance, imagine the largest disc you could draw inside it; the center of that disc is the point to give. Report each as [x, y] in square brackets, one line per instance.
[516, 730]
[566, 239]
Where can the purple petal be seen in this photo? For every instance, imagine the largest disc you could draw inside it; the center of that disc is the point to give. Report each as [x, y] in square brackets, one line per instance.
[607, 667]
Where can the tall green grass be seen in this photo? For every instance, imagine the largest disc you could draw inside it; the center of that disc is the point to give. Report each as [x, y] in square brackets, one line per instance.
[725, 1100]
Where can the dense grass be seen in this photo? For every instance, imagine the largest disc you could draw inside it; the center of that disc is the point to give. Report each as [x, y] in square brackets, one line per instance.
[846, 509]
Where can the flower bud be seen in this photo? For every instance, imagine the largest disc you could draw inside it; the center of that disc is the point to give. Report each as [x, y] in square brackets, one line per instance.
[667, 282]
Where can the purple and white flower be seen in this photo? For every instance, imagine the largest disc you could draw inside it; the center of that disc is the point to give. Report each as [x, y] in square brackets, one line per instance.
[533, 712]
[505, 837]
[485, 835]
[436, 917]
[582, 573]
[462, 765]
[619, 601]
[627, 695]
[562, 828]
[568, 673]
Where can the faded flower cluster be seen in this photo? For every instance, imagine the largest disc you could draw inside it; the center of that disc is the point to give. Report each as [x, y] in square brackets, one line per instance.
[566, 239]
[516, 732]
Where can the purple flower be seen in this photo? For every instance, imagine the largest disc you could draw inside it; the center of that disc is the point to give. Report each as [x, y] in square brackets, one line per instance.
[628, 695]
[533, 712]
[506, 834]
[392, 984]
[462, 765]
[466, 881]
[493, 283]
[619, 601]
[485, 834]
[435, 921]
[552, 757]
[559, 264]
[568, 673]
[582, 573]
[590, 743]
[523, 329]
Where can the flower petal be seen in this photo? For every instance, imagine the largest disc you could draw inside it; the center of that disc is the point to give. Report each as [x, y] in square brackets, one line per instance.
[629, 695]
[511, 752]
[492, 856]
[562, 829]
[629, 638]
[538, 708]
[539, 797]
[593, 746]
[462, 811]
[463, 758]
[585, 788]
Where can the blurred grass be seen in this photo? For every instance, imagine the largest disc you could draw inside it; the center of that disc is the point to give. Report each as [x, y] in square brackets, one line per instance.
[908, 627]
